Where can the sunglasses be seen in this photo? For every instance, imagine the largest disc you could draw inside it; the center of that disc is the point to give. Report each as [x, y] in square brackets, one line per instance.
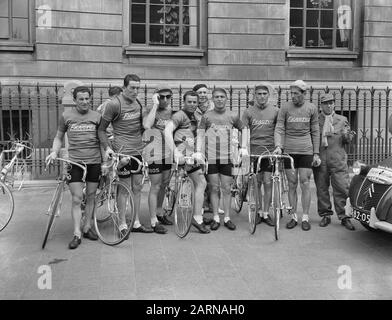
[167, 97]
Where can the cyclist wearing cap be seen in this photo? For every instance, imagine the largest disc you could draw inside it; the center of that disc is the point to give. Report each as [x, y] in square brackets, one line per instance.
[297, 132]
[184, 126]
[335, 134]
[205, 104]
[157, 154]
[81, 125]
[260, 119]
[126, 116]
[217, 126]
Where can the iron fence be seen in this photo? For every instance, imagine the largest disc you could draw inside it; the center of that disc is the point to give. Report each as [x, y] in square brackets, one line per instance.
[31, 112]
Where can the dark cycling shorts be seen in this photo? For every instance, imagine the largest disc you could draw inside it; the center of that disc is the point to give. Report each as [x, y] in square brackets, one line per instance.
[300, 161]
[221, 168]
[159, 166]
[125, 172]
[93, 173]
[265, 165]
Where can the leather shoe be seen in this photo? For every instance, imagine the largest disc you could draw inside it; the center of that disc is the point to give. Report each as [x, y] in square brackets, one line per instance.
[207, 221]
[259, 219]
[291, 224]
[201, 227]
[159, 229]
[230, 225]
[326, 220]
[268, 221]
[142, 229]
[90, 234]
[347, 224]
[124, 234]
[214, 225]
[305, 225]
[76, 241]
[164, 220]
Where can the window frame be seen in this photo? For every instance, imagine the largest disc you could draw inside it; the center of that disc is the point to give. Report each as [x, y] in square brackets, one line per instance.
[21, 45]
[350, 53]
[134, 49]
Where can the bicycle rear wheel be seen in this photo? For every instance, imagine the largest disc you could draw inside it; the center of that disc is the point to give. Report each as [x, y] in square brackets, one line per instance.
[6, 205]
[183, 209]
[239, 189]
[253, 202]
[276, 208]
[102, 215]
[109, 207]
[53, 211]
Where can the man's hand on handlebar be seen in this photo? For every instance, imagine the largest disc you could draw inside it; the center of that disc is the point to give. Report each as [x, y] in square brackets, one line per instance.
[50, 158]
[278, 150]
[178, 157]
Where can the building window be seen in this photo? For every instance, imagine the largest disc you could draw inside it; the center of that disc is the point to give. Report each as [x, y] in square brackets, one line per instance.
[164, 23]
[321, 24]
[15, 20]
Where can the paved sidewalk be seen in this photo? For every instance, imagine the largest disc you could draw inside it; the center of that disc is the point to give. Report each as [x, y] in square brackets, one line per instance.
[220, 265]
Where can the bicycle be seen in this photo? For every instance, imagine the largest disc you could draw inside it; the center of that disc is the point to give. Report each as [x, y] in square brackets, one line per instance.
[279, 186]
[108, 208]
[54, 209]
[183, 198]
[7, 204]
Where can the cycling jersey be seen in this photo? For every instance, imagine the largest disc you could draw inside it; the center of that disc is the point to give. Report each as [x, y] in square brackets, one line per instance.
[185, 133]
[82, 132]
[297, 129]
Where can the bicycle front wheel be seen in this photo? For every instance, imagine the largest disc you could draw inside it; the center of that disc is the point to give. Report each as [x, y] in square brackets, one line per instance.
[53, 211]
[253, 203]
[183, 209]
[239, 189]
[113, 207]
[276, 208]
[169, 199]
[6, 205]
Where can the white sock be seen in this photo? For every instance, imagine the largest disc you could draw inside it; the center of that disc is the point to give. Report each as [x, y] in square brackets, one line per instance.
[137, 224]
[265, 215]
[154, 221]
[294, 216]
[78, 235]
[198, 219]
[123, 226]
[216, 218]
[226, 219]
[305, 217]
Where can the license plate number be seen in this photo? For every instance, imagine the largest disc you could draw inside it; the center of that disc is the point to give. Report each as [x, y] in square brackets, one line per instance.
[361, 216]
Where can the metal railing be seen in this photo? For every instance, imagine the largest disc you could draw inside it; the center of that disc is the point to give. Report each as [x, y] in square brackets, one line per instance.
[31, 112]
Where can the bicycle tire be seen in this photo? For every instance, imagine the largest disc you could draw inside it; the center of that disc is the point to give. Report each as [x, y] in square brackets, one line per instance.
[239, 190]
[276, 208]
[108, 229]
[169, 199]
[53, 211]
[183, 209]
[105, 216]
[253, 203]
[6, 205]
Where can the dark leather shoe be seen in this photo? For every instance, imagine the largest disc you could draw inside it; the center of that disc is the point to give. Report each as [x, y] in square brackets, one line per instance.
[326, 220]
[76, 241]
[201, 227]
[159, 229]
[291, 224]
[214, 225]
[347, 224]
[305, 225]
[142, 229]
[124, 234]
[90, 234]
[259, 219]
[268, 221]
[207, 221]
[230, 225]
[164, 220]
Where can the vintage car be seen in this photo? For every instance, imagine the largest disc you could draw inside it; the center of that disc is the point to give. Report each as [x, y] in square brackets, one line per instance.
[370, 196]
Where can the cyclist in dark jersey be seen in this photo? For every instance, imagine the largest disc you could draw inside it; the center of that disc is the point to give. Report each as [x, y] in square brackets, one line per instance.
[216, 133]
[81, 125]
[260, 119]
[183, 126]
[157, 154]
[126, 116]
[297, 132]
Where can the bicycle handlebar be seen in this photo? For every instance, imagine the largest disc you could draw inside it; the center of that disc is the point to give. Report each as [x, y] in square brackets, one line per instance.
[190, 158]
[81, 166]
[116, 157]
[274, 156]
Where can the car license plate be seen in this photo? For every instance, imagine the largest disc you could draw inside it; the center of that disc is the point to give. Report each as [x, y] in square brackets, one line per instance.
[361, 216]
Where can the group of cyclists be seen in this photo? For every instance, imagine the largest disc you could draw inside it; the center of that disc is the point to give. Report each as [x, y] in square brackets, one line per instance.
[203, 129]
